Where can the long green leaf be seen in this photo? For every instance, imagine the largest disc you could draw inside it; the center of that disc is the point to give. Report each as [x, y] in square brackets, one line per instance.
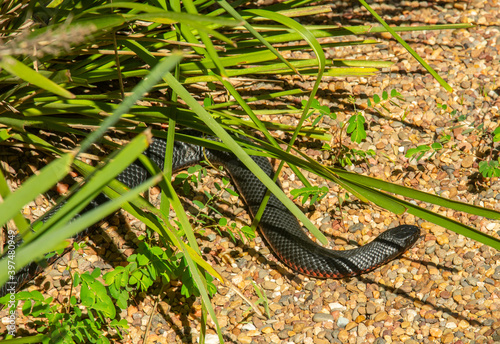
[420, 195]
[34, 186]
[39, 338]
[240, 153]
[51, 239]
[94, 186]
[21, 223]
[453, 225]
[407, 47]
[224, 4]
[311, 40]
[139, 91]
[27, 74]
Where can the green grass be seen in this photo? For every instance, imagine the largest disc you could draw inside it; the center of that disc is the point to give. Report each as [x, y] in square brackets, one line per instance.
[82, 67]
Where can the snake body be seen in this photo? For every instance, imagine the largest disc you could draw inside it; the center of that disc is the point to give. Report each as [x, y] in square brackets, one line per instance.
[278, 225]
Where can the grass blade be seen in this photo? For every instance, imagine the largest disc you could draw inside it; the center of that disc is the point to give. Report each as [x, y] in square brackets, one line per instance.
[27, 74]
[407, 47]
[416, 194]
[51, 239]
[240, 153]
[35, 186]
[140, 90]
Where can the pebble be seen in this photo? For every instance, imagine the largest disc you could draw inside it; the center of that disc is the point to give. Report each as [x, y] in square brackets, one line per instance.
[343, 336]
[362, 330]
[320, 317]
[342, 322]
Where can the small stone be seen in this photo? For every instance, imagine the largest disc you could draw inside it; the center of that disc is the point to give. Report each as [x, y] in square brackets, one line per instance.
[435, 332]
[360, 318]
[335, 306]
[283, 334]
[343, 336]
[320, 317]
[350, 326]
[211, 339]
[447, 338]
[248, 327]
[370, 308]
[362, 330]
[445, 294]
[342, 322]
[298, 327]
[381, 316]
[451, 325]
[467, 161]
[463, 324]
[267, 329]
[442, 239]
[268, 285]
[310, 285]
[244, 339]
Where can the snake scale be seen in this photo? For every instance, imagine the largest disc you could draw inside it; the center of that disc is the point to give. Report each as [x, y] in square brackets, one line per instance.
[278, 225]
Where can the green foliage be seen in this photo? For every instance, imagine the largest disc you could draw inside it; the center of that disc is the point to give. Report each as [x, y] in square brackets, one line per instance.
[193, 176]
[347, 156]
[496, 134]
[263, 300]
[94, 295]
[490, 168]
[204, 215]
[148, 265]
[418, 152]
[316, 193]
[68, 323]
[351, 156]
[319, 110]
[384, 103]
[356, 127]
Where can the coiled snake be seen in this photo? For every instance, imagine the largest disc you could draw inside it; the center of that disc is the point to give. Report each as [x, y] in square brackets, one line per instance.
[278, 225]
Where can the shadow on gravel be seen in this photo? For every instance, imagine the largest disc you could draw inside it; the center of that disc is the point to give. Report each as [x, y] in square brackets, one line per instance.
[415, 299]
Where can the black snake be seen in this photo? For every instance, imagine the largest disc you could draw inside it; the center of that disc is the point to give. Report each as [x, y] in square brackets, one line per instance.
[278, 225]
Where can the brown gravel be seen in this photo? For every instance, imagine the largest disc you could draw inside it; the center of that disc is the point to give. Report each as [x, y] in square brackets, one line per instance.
[444, 290]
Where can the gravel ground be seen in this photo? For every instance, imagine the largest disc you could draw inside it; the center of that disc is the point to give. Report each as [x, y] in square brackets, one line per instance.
[444, 290]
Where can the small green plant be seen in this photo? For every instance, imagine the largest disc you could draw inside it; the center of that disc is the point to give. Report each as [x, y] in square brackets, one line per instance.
[81, 320]
[193, 175]
[387, 100]
[491, 168]
[263, 300]
[320, 110]
[418, 152]
[315, 193]
[356, 127]
[205, 210]
[349, 156]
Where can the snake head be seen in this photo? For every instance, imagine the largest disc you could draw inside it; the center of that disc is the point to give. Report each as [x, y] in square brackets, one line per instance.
[403, 236]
